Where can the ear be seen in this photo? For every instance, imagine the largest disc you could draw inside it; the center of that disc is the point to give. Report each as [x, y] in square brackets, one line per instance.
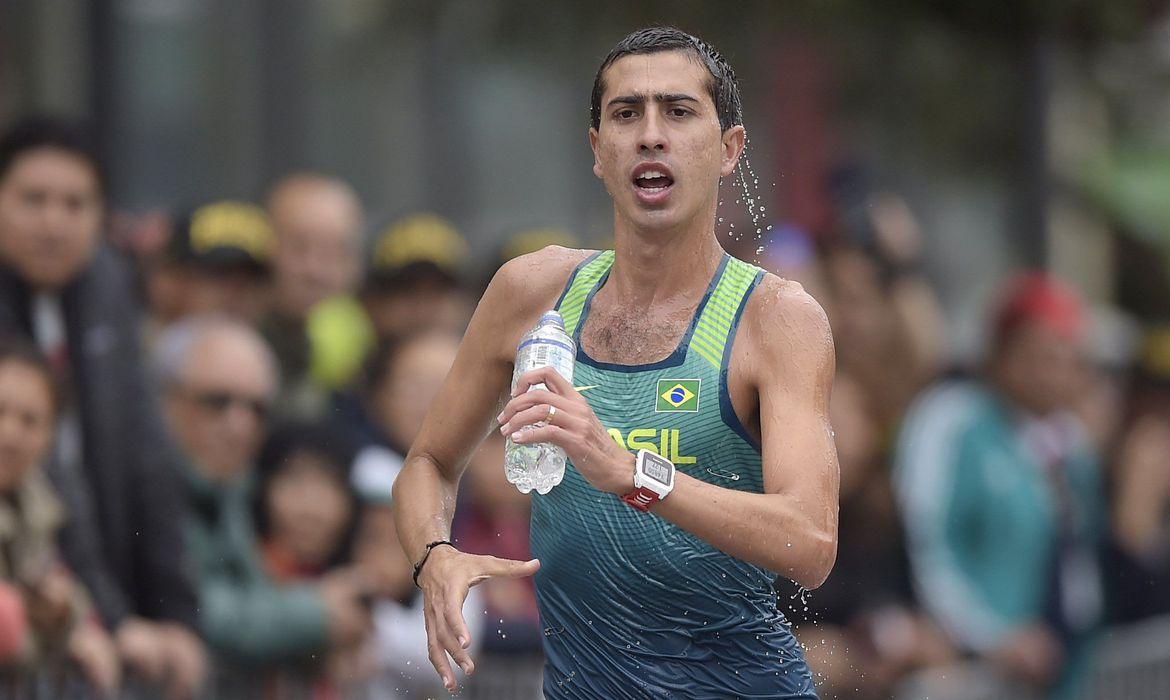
[593, 136]
[734, 140]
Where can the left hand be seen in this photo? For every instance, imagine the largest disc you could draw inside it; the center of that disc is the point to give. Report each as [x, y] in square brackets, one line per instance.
[186, 661]
[94, 651]
[573, 426]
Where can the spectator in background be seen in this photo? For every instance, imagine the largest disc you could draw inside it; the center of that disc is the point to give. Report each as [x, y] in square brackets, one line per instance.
[861, 629]
[414, 280]
[219, 380]
[1001, 497]
[46, 613]
[400, 384]
[402, 381]
[216, 261]
[63, 289]
[318, 222]
[887, 322]
[306, 517]
[1140, 544]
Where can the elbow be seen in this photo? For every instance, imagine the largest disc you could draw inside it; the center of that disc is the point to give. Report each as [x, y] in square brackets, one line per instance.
[819, 563]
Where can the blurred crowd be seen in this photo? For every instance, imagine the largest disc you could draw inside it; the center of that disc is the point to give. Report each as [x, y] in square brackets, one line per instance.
[203, 410]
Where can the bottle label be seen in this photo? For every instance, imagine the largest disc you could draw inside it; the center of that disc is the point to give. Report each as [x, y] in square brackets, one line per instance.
[542, 352]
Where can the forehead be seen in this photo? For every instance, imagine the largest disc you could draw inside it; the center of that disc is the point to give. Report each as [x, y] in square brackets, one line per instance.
[53, 163]
[678, 71]
[227, 357]
[22, 382]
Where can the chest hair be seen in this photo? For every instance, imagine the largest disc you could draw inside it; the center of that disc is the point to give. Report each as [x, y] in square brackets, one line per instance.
[623, 335]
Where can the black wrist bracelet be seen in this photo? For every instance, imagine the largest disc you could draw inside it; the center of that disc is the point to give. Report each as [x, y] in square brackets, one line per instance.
[427, 555]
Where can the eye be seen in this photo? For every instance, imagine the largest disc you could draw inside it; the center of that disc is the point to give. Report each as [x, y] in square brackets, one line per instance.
[34, 198]
[678, 112]
[624, 114]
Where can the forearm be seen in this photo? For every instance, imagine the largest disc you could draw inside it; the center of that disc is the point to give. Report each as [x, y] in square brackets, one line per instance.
[772, 531]
[424, 504]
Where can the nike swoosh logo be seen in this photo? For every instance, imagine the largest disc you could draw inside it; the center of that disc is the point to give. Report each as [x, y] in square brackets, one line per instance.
[585, 388]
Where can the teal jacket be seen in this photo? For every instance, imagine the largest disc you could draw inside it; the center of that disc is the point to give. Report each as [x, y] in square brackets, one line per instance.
[245, 615]
[981, 520]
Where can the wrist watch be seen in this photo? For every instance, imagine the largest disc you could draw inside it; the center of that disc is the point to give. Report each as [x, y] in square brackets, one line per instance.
[653, 480]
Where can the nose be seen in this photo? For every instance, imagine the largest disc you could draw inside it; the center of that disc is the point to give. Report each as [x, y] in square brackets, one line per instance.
[10, 428]
[652, 138]
[241, 421]
[54, 217]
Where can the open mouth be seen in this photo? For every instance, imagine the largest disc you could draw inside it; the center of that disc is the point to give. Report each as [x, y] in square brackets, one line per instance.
[652, 182]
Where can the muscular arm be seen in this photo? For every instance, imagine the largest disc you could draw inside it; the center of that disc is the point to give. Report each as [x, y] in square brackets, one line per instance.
[461, 416]
[459, 419]
[425, 490]
[786, 351]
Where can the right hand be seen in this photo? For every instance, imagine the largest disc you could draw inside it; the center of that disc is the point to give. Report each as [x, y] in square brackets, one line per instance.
[1033, 654]
[344, 593]
[141, 647]
[445, 580]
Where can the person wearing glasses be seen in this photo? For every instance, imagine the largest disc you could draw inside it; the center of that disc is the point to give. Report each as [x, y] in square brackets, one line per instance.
[219, 379]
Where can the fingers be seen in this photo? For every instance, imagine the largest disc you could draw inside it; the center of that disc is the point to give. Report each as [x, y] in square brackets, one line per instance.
[447, 633]
[436, 653]
[537, 414]
[537, 397]
[547, 376]
[545, 433]
[457, 634]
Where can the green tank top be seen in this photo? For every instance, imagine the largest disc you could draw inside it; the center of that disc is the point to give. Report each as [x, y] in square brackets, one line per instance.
[632, 605]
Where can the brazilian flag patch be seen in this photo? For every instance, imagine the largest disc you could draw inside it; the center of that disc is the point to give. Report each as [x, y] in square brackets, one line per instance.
[678, 396]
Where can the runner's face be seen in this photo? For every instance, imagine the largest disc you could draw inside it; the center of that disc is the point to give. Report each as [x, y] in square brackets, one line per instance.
[659, 149]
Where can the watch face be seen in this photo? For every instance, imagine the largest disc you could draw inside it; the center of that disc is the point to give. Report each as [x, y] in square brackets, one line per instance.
[656, 468]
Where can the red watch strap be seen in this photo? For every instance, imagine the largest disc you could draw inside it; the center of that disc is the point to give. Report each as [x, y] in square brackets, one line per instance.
[641, 498]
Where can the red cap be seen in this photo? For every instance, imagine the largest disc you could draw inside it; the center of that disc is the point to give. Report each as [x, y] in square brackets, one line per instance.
[1039, 297]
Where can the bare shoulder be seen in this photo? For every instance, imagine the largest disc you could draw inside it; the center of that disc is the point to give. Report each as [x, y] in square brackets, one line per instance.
[532, 280]
[788, 327]
[521, 290]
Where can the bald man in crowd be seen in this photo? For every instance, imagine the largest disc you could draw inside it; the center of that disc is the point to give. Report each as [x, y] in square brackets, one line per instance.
[219, 379]
[318, 222]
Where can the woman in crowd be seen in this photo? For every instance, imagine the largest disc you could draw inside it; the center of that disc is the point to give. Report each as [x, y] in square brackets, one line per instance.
[45, 613]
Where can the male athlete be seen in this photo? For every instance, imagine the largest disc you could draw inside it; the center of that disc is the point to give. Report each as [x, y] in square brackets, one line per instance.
[701, 454]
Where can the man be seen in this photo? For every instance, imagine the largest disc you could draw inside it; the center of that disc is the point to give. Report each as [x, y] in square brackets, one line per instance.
[999, 489]
[63, 289]
[219, 379]
[414, 283]
[216, 260]
[318, 223]
[677, 601]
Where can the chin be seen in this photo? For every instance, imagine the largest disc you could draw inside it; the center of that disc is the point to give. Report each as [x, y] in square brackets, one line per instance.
[656, 219]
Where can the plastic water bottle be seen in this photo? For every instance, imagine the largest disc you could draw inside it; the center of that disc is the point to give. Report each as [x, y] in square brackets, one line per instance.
[540, 466]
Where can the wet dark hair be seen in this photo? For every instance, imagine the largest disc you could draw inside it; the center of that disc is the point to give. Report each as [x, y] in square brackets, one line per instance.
[20, 351]
[335, 452]
[721, 86]
[48, 132]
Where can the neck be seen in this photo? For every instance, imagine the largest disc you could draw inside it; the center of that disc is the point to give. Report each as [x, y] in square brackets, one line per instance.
[642, 256]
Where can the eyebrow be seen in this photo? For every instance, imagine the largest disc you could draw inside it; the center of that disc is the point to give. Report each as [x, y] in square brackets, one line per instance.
[641, 98]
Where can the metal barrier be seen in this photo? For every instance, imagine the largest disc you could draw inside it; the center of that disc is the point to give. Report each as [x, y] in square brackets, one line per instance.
[1133, 663]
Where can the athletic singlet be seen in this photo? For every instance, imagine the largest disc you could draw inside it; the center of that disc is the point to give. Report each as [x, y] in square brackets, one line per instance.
[631, 605]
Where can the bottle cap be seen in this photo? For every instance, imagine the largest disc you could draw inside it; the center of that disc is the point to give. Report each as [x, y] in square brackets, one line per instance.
[552, 317]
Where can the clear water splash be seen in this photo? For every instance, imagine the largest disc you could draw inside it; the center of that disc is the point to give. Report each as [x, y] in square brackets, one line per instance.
[749, 182]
